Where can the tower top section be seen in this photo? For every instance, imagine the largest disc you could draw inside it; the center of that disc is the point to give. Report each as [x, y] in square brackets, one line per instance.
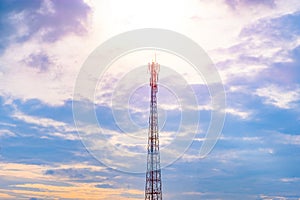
[153, 68]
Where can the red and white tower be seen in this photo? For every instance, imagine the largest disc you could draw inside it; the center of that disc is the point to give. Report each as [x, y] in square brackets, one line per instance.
[153, 187]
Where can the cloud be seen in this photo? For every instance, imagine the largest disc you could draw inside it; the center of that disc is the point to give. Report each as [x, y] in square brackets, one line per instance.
[22, 20]
[236, 3]
[7, 124]
[6, 196]
[61, 60]
[243, 139]
[47, 73]
[44, 122]
[43, 39]
[53, 128]
[78, 191]
[6, 133]
[104, 186]
[278, 197]
[39, 61]
[239, 113]
[79, 172]
[279, 96]
[42, 63]
[238, 69]
[16, 171]
[265, 49]
[61, 181]
[126, 151]
[285, 138]
[289, 180]
[287, 29]
[38, 50]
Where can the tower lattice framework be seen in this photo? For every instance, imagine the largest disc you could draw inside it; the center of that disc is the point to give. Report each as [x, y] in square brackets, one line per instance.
[153, 188]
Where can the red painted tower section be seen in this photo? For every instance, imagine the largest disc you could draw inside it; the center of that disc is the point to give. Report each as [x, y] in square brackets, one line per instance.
[153, 188]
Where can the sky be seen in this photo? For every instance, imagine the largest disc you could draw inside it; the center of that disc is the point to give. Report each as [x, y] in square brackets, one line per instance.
[49, 149]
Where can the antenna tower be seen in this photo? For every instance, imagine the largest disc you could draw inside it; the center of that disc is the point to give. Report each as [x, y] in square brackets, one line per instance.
[153, 175]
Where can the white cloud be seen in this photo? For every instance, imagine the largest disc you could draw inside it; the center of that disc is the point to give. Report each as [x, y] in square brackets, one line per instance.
[245, 139]
[239, 113]
[55, 86]
[279, 96]
[286, 138]
[7, 124]
[40, 121]
[268, 197]
[54, 128]
[194, 193]
[6, 133]
[126, 151]
[290, 180]
[266, 150]
[65, 136]
[253, 55]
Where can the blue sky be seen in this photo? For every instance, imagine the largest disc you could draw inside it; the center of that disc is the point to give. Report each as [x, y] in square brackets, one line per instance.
[255, 46]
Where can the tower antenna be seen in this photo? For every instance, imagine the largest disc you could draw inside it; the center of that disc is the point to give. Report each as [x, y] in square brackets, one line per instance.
[153, 188]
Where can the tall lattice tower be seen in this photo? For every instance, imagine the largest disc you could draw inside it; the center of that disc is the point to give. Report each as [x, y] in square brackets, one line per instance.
[153, 175]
